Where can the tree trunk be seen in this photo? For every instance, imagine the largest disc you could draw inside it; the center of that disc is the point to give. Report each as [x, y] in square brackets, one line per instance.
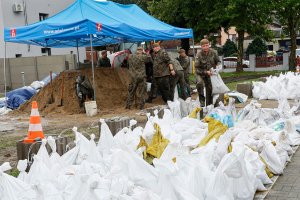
[293, 36]
[239, 67]
[185, 44]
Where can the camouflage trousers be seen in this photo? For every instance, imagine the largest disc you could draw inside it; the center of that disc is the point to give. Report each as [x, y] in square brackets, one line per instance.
[178, 78]
[163, 86]
[201, 83]
[137, 88]
[187, 82]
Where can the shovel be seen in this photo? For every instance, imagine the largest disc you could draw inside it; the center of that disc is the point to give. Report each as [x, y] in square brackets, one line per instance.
[62, 90]
[51, 99]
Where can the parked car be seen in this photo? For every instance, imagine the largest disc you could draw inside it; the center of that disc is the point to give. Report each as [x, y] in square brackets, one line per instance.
[231, 62]
[297, 52]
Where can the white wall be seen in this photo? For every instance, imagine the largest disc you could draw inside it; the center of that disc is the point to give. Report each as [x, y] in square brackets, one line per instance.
[8, 18]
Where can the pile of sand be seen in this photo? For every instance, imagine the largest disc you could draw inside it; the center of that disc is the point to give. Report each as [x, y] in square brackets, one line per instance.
[111, 91]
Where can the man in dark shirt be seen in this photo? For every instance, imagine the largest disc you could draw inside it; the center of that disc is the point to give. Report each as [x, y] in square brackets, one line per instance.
[104, 60]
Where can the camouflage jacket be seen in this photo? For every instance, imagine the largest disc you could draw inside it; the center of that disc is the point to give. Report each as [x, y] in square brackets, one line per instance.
[176, 65]
[137, 67]
[206, 62]
[185, 63]
[103, 62]
[160, 64]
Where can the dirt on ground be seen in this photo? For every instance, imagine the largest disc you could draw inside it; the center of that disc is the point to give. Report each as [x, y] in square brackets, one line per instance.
[111, 91]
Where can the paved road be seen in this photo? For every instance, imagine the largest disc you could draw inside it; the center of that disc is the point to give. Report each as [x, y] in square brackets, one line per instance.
[287, 186]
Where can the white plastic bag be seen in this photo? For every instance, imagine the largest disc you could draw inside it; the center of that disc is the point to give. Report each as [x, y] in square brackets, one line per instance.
[218, 86]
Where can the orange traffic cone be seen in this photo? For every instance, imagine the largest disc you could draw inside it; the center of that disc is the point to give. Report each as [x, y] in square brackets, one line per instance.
[35, 127]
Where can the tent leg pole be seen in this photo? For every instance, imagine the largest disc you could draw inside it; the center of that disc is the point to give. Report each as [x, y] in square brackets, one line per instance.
[194, 48]
[92, 57]
[77, 55]
[5, 74]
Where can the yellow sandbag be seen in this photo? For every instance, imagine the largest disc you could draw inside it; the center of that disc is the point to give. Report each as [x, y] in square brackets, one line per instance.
[267, 169]
[226, 99]
[174, 160]
[194, 113]
[143, 143]
[158, 143]
[229, 149]
[215, 130]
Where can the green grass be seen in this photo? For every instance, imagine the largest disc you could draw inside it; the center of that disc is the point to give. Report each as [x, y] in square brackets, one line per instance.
[14, 172]
[1, 95]
[237, 74]
[232, 85]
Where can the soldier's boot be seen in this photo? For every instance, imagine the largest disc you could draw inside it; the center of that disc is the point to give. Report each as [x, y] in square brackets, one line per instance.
[141, 107]
[149, 100]
[127, 107]
[201, 114]
[202, 103]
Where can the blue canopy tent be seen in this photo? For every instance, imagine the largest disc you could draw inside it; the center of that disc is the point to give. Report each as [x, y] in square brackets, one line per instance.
[93, 23]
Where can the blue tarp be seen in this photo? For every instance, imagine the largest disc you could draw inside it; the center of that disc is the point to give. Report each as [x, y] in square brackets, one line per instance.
[19, 96]
[108, 22]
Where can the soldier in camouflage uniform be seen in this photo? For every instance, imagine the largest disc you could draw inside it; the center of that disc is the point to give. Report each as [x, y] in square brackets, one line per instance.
[161, 71]
[185, 63]
[205, 60]
[104, 60]
[177, 78]
[137, 71]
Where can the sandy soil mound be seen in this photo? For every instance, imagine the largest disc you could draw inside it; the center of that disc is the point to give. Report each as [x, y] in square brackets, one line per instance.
[111, 91]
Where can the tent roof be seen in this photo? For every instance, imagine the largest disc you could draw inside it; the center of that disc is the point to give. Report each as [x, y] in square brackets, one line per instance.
[108, 22]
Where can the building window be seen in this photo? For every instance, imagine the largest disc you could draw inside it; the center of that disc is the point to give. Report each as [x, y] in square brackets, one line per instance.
[232, 37]
[46, 51]
[18, 55]
[43, 16]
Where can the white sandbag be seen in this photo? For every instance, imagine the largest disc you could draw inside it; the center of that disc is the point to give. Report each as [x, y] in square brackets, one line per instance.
[245, 186]
[23, 175]
[94, 155]
[106, 140]
[242, 98]
[12, 188]
[293, 135]
[222, 147]
[83, 144]
[175, 109]
[70, 157]
[137, 170]
[269, 154]
[228, 168]
[170, 184]
[37, 85]
[43, 154]
[218, 86]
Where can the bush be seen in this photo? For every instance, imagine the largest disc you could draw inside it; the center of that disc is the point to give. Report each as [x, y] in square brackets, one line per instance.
[229, 48]
[257, 46]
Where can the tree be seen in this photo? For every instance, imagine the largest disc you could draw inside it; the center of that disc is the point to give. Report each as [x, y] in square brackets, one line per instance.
[209, 16]
[186, 14]
[247, 16]
[288, 14]
[257, 47]
[142, 3]
[229, 48]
